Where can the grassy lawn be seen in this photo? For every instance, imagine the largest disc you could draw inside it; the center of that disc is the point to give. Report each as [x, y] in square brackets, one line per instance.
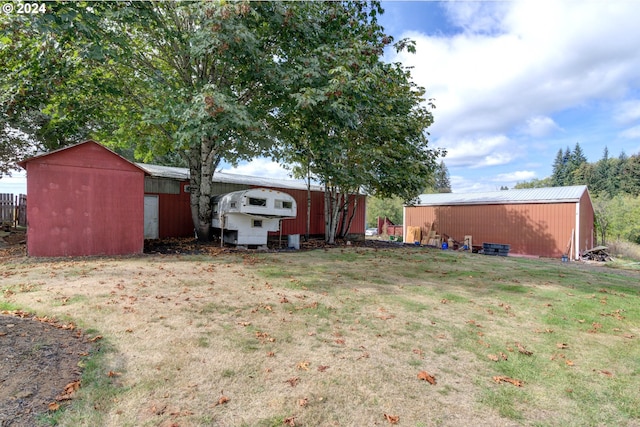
[340, 336]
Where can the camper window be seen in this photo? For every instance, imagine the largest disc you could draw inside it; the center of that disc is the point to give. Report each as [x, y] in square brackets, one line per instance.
[257, 223]
[283, 204]
[257, 202]
[215, 208]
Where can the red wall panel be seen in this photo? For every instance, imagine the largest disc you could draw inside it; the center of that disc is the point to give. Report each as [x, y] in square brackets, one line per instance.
[542, 229]
[85, 200]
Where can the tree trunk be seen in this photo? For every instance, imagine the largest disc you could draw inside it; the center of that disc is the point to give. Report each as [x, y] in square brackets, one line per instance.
[332, 208]
[353, 214]
[202, 163]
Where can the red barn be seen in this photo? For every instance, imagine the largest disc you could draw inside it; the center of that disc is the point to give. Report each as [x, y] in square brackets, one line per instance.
[84, 200]
[546, 222]
[168, 212]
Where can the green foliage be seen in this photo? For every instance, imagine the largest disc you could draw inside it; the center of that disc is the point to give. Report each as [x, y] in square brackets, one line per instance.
[390, 208]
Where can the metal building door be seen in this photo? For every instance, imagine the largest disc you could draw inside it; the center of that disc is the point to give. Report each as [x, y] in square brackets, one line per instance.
[151, 217]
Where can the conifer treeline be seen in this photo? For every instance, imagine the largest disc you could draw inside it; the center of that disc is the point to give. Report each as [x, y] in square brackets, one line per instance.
[608, 177]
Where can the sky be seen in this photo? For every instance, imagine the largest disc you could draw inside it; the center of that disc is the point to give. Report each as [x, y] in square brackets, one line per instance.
[513, 82]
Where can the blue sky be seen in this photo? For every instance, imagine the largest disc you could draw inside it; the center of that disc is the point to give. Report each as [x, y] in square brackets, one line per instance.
[513, 82]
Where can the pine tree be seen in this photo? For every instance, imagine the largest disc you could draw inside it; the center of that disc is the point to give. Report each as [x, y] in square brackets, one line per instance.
[559, 175]
[442, 181]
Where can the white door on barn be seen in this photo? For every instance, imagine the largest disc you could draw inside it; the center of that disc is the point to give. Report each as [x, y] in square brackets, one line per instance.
[151, 217]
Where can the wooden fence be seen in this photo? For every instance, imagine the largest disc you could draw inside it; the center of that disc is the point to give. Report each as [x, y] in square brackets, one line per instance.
[13, 209]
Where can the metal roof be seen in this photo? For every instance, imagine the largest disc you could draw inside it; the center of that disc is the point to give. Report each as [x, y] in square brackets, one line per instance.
[228, 178]
[528, 195]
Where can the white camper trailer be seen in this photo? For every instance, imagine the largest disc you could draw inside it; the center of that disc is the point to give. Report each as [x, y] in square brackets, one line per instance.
[244, 218]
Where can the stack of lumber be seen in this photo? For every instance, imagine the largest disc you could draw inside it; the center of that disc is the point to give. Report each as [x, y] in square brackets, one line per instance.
[599, 253]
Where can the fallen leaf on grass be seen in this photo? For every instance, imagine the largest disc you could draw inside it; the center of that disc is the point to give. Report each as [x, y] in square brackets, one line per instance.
[392, 419]
[607, 373]
[293, 381]
[223, 400]
[499, 356]
[303, 402]
[96, 338]
[503, 379]
[322, 368]
[69, 390]
[523, 350]
[425, 376]
[303, 365]
[562, 345]
[569, 362]
[53, 406]
[289, 421]
[112, 374]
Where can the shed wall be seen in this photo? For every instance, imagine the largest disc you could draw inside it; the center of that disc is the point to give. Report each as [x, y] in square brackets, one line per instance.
[84, 201]
[542, 229]
[587, 216]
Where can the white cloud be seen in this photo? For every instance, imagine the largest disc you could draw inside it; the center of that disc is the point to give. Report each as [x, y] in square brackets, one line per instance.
[514, 177]
[627, 112]
[540, 126]
[517, 64]
[260, 167]
[479, 151]
[631, 133]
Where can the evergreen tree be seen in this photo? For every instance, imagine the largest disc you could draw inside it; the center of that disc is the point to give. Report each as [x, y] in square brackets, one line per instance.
[559, 175]
[442, 181]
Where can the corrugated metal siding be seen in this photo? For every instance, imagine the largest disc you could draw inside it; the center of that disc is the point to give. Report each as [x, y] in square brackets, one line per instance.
[587, 218]
[85, 200]
[529, 195]
[535, 229]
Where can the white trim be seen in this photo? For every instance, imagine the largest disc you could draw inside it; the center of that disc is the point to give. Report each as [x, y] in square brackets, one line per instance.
[576, 245]
[404, 224]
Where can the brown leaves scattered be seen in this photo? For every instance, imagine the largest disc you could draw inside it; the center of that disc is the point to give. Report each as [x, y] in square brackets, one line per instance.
[322, 368]
[293, 381]
[54, 406]
[69, 391]
[425, 376]
[523, 350]
[499, 356]
[264, 337]
[503, 379]
[289, 421]
[304, 365]
[392, 419]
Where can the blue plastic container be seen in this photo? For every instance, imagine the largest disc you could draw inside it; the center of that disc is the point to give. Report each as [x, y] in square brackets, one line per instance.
[445, 246]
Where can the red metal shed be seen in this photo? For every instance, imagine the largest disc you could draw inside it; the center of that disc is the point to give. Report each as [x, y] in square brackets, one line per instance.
[84, 200]
[168, 212]
[545, 222]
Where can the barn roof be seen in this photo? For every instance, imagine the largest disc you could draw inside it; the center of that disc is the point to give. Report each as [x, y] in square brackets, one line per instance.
[227, 178]
[528, 195]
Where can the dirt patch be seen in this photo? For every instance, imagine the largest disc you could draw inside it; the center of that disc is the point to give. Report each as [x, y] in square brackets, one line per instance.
[38, 359]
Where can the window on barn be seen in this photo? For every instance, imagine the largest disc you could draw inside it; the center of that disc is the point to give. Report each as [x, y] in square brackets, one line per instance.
[283, 204]
[257, 223]
[257, 202]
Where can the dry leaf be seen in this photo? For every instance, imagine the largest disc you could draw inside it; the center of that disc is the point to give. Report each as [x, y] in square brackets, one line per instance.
[303, 402]
[303, 365]
[322, 368]
[569, 362]
[503, 379]
[425, 376]
[293, 381]
[270, 354]
[53, 406]
[392, 419]
[290, 421]
[562, 345]
[113, 374]
[96, 338]
[223, 400]
[523, 350]
[493, 357]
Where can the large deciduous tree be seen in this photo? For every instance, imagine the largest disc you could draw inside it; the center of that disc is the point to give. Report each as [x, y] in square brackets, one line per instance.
[353, 122]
